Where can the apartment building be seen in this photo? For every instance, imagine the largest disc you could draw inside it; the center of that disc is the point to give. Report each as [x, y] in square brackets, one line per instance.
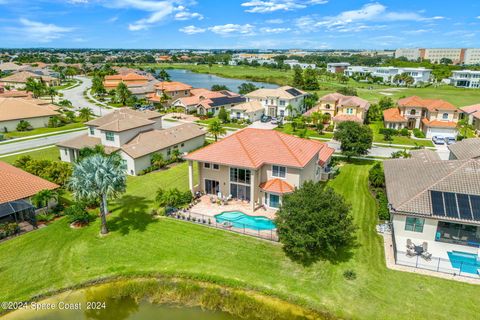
[388, 74]
[276, 101]
[338, 67]
[468, 56]
[294, 63]
[465, 79]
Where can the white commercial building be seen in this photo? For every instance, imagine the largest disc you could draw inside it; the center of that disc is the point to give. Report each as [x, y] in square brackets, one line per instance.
[294, 63]
[388, 73]
[466, 56]
[472, 56]
[409, 53]
[338, 67]
[465, 79]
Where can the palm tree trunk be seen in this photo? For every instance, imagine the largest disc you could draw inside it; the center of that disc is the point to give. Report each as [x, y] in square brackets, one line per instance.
[104, 229]
[105, 205]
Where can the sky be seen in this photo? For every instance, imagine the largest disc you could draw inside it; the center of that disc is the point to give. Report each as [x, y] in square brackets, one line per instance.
[239, 24]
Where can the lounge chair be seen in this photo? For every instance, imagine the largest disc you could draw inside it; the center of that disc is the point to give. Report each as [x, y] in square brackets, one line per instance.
[410, 244]
[411, 253]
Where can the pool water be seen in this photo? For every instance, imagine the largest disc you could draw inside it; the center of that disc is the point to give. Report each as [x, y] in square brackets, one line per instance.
[466, 262]
[241, 220]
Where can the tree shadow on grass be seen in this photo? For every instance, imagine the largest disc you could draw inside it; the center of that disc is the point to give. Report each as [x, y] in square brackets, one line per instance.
[133, 215]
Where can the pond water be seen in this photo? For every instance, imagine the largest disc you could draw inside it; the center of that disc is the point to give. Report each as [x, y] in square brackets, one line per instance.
[202, 80]
[115, 309]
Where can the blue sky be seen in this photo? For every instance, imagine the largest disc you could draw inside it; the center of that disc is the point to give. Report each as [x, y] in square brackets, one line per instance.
[310, 24]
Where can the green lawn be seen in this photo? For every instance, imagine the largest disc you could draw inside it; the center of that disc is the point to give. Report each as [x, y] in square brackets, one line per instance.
[287, 128]
[20, 134]
[232, 125]
[51, 153]
[57, 256]
[377, 137]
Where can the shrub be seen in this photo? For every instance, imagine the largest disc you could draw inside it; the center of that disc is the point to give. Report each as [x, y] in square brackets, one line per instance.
[24, 126]
[383, 212]
[376, 176]
[8, 229]
[404, 132]
[44, 217]
[349, 274]
[418, 133]
[77, 213]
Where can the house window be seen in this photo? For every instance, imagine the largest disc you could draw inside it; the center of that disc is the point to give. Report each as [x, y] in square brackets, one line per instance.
[413, 112]
[282, 113]
[109, 136]
[282, 102]
[206, 165]
[327, 106]
[215, 166]
[182, 145]
[92, 131]
[278, 171]
[414, 224]
[274, 201]
[349, 111]
[239, 175]
[445, 116]
[186, 92]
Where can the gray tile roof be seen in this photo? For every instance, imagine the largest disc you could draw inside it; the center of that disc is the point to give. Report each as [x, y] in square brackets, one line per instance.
[466, 149]
[425, 155]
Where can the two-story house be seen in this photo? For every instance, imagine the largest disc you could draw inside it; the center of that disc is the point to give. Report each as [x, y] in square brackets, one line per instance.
[472, 114]
[166, 92]
[341, 108]
[435, 207]
[276, 101]
[258, 166]
[136, 136]
[434, 117]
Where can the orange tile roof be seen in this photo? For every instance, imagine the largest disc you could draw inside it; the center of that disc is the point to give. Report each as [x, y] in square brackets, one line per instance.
[393, 115]
[439, 124]
[471, 109]
[430, 104]
[325, 154]
[18, 184]
[252, 148]
[172, 86]
[277, 186]
[346, 117]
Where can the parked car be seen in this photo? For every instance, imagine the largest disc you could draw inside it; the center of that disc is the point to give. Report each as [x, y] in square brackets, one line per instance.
[438, 140]
[450, 140]
[265, 118]
[277, 120]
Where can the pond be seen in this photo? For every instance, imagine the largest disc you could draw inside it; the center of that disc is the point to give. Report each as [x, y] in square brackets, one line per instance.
[202, 80]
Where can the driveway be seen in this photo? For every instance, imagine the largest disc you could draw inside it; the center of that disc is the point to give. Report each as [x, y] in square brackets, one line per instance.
[262, 125]
[442, 151]
[75, 95]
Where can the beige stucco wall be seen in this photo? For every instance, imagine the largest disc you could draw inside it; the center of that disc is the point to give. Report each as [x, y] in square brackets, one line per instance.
[11, 125]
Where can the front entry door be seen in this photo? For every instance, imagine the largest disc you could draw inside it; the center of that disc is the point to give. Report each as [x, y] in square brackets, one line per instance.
[272, 111]
[212, 187]
[411, 123]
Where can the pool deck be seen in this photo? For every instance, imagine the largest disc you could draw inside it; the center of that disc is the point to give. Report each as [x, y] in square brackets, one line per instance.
[207, 208]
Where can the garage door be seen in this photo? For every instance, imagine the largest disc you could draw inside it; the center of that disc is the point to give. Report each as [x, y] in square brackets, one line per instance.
[444, 132]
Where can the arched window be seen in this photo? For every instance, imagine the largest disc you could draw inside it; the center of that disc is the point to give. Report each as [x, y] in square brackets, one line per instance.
[445, 116]
[413, 112]
[327, 106]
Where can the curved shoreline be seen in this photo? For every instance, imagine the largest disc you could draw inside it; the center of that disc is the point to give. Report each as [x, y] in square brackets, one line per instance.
[188, 292]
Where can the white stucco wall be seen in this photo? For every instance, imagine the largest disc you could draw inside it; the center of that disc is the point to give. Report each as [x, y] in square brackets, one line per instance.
[11, 125]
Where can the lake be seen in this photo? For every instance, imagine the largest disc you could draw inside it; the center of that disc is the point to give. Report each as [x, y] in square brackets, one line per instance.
[202, 80]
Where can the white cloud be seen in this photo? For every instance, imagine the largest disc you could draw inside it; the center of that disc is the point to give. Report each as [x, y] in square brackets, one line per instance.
[41, 32]
[78, 1]
[266, 6]
[275, 21]
[478, 17]
[192, 30]
[231, 29]
[185, 15]
[274, 30]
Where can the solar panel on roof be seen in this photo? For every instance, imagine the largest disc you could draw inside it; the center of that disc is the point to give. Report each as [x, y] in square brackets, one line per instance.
[294, 92]
[464, 206]
[475, 202]
[451, 208]
[437, 203]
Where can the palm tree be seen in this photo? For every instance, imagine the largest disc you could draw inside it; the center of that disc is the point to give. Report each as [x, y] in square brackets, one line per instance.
[215, 128]
[85, 114]
[43, 197]
[50, 91]
[98, 178]
[122, 93]
[35, 87]
[290, 110]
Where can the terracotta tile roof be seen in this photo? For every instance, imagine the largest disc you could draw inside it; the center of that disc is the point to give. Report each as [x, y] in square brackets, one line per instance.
[466, 149]
[23, 108]
[252, 148]
[18, 184]
[22, 77]
[124, 119]
[83, 141]
[199, 96]
[346, 101]
[155, 140]
[332, 97]
[10, 66]
[439, 124]
[282, 93]
[473, 110]
[172, 86]
[277, 186]
[393, 115]
[15, 94]
[430, 104]
[249, 107]
[346, 117]
[324, 155]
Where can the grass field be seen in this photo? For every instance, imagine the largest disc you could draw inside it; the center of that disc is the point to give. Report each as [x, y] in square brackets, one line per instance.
[51, 153]
[57, 256]
[377, 137]
[21, 134]
[457, 96]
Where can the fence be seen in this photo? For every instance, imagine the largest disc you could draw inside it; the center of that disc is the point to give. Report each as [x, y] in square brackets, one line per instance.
[455, 267]
[233, 226]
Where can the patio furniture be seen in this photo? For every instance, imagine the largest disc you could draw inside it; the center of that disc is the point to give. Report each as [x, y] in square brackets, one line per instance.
[425, 254]
[411, 253]
[410, 244]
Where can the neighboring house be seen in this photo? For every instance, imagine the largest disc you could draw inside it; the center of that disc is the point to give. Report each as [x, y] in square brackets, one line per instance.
[136, 136]
[140, 85]
[251, 111]
[16, 189]
[338, 67]
[36, 112]
[19, 79]
[11, 67]
[434, 117]
[204, 101]
[465, 149]
[388, 73]
[342, 108]
[171, 90]
[437, 203]
[473, 116]
[276, 101]
[294, 63]
[465, 78]
[259, 166]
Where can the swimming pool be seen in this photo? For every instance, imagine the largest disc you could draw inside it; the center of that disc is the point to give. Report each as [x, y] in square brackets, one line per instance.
[239, 219]
[466, 262]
